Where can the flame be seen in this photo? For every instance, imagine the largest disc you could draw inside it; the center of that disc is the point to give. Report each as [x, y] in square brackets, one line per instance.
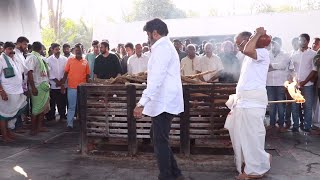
[20, 170]
[294, 92]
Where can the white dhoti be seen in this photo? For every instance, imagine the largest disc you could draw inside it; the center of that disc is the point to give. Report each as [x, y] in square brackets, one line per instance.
[13, 107]
[247, 131]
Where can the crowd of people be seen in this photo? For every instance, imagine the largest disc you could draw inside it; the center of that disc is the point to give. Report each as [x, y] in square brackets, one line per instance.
[33, 83]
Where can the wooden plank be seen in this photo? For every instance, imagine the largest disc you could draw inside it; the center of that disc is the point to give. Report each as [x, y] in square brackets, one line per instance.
[200, 119]
[200, 125]
[82, 105]
[100, 130]
[96, 118]
[132, 133]
[114, 125]
[120, 119]
[92, 134]
[100, 124]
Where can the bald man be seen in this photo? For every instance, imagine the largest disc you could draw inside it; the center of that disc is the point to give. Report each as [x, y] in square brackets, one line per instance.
[210, 62]
[248, 108]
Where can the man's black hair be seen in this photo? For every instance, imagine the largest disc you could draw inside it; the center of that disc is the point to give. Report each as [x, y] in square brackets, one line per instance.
[66, 45]
[54, 45]
[22, 39]
[37, 46]
[129, 45]
[156, 25]
[95, 42]
[8, 45]
[105, 44]
[306, 36]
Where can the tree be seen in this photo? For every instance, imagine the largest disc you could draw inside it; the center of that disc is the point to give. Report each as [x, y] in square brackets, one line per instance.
[55, 15]
[71, 32]
[147, 9]
[260, 6]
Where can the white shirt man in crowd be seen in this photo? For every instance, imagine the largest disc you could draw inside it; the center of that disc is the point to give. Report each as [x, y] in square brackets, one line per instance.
[210, 62]
[248, 108]
[138, 62]
[305, 72]
[12, 100]
[190, 63]
[67, 51]
[20, 49]
[278, 73]
[163, 97]
[56, 63]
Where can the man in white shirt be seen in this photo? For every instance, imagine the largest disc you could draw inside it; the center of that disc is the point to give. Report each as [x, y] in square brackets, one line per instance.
[163, 97]
[278, 73]
[190, 63]
[138, 62]
[12, 99]
[210, 62]
[248, 108]
[305, 72]
[56, 63]
[20, 50]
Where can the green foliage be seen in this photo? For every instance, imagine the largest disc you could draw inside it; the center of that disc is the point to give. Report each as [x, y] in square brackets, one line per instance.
[70, 32]
[147, 9]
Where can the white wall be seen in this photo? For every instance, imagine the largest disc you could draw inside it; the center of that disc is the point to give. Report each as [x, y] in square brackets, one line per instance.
[284, 25]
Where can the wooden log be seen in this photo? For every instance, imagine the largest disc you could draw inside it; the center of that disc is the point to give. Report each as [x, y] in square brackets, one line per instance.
[132, 133]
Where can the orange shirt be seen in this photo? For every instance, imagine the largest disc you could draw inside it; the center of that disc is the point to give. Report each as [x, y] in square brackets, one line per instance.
[77, 72]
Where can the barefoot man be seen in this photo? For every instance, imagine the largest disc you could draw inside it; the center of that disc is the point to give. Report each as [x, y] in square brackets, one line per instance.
[12, 100]
[40, 89]
[163, 97]
[248, 108]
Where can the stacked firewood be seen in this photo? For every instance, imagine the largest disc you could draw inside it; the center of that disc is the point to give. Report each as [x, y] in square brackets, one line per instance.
[141, 78]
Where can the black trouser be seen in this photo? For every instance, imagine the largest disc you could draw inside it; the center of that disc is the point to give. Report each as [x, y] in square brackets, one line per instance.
[159, 133]
[59, 99]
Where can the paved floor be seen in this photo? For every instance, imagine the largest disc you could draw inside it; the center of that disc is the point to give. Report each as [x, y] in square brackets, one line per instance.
[55, 155]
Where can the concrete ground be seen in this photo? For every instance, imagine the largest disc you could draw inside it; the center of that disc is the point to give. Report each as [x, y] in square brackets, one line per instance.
[55, 155]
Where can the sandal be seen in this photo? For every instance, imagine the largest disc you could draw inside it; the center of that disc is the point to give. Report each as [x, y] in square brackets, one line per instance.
[244, 176]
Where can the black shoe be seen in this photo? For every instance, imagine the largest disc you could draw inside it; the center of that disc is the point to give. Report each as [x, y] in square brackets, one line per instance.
[294, 129]
[69, 129]
[306, 130]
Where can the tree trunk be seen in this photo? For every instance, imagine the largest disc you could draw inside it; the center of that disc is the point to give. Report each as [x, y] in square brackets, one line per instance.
[40, 16]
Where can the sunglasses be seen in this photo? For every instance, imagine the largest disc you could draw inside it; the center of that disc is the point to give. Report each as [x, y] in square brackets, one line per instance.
[241, 43]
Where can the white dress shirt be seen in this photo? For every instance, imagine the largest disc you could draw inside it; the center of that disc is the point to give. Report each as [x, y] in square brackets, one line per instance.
[210, 64]
[188, 66]
[280, 74]
[302, 64]
[12, 85]
[137, 64]
[253, 74]
[56, 69]
[164, 87]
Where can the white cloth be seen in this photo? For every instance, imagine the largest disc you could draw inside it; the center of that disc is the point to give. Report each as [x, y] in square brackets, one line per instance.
[164, 87]
[253, 74]
[210, 64]
[188, 66]
[280, 74]
[11, 107]
[137, 64]
[302, 64]
[240, 56]
[12, 85]
[33, 64]
[148, 54]
[247, 132]
[56, 66]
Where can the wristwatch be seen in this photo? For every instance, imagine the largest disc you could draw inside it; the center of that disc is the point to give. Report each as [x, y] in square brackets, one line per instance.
[139, 105]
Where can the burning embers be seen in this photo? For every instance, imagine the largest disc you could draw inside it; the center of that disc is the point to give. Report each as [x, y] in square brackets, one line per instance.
[294, 92]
